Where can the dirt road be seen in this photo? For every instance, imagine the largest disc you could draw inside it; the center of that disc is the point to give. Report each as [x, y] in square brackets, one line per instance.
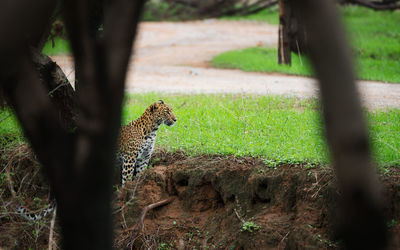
[173, 58]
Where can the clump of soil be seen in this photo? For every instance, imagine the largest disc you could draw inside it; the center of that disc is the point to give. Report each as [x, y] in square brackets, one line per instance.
[218, 202]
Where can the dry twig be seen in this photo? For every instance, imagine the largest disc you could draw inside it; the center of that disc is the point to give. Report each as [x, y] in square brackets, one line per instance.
[237, 214]
[53, 219]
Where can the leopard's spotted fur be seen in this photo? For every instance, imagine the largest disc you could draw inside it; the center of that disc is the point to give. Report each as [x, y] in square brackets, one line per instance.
[136, 140]
[135, 146]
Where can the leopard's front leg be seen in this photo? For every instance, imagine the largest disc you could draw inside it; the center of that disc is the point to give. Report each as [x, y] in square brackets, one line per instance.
[128, 164]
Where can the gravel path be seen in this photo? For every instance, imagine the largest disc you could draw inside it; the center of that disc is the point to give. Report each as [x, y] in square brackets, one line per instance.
[173, 58]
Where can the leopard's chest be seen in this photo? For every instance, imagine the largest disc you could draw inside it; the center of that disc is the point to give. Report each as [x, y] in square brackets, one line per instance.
[147, 147]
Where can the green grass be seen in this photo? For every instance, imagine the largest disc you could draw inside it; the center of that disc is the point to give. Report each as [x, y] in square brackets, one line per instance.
[9, 128]
[232, 125]
[61, 46]
[280, 130]
[261, 60]
[374, 37]
[277, 129]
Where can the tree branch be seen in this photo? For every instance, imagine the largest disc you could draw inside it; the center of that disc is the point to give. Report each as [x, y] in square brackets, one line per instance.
[392, 5]
[251, 9]
[59, 89]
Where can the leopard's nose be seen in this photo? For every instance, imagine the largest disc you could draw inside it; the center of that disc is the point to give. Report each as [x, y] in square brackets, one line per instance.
[174, 119]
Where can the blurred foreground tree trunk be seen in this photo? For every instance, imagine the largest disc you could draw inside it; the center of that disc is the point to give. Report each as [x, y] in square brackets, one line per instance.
[362, 224]
[52, 77]
[79, 163]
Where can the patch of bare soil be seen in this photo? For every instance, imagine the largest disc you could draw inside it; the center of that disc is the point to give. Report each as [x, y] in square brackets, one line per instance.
[218, 202]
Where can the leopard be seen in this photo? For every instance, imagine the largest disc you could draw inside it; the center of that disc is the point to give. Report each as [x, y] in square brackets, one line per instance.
[137, 139]
[136, 143]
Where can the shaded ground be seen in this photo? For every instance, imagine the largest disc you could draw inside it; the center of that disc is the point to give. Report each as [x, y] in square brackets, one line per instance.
[219, 203]
[173, 58]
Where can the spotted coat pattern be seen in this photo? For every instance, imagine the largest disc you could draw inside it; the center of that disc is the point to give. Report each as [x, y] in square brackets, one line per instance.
[36, 216]
[137, 139]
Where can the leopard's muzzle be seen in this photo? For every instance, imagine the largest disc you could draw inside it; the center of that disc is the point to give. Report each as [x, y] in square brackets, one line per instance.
[170, 122]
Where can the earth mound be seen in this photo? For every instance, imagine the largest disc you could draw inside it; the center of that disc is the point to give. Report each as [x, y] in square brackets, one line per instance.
[218, 202]
[229, 203]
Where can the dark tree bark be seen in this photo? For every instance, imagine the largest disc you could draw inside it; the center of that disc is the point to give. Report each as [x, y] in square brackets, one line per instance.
[298, 40]
[79, 164]
[363, 225]
[59, 89]
[52, 77]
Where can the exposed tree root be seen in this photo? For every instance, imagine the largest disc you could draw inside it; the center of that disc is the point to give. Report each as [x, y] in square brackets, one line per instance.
[139, 226]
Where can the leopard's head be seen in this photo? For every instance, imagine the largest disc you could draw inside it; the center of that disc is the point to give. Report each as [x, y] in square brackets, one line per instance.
[163, 113]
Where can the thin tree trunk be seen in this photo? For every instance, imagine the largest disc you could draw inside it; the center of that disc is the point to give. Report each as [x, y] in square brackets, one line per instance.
[284, 56]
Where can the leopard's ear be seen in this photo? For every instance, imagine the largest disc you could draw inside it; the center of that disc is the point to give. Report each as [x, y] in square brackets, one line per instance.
[160, 102]
[152, 108]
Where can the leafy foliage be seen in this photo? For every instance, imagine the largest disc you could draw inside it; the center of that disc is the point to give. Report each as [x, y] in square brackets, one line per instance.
[250, 226]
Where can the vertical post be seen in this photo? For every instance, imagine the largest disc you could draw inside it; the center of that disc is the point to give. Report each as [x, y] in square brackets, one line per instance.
[284, 37]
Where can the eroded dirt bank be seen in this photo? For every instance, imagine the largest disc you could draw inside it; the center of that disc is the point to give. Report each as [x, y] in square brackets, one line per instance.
[219, 203]
[294, 207]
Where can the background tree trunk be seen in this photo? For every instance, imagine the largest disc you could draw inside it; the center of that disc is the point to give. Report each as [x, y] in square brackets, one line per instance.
[284, 37]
